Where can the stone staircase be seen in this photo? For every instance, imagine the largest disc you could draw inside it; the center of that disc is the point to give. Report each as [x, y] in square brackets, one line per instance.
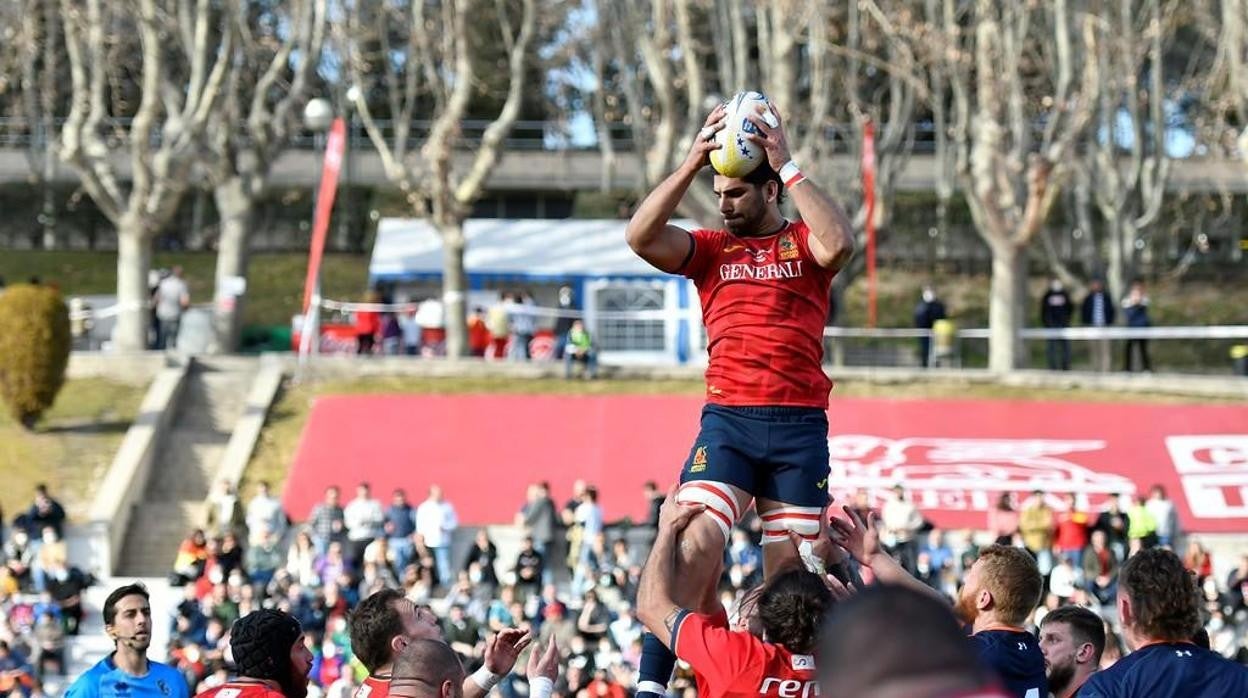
[186, 464]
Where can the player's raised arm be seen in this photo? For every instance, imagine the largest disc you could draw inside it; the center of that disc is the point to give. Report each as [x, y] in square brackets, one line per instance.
[655, 607]
[666, 247]
[831, 232]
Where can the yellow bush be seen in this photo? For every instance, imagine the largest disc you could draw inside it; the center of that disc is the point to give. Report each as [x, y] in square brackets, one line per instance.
[34, 349]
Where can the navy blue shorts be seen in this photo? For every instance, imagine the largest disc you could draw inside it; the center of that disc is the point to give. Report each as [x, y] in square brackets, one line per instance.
[778, 453]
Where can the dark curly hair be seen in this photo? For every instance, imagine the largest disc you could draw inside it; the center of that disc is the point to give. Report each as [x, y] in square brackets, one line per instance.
[761, 175]
[792, 607]
[373, 624]
[1165, 600]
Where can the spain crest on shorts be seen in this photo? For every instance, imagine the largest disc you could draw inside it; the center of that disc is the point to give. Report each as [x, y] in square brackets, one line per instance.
[788, 248]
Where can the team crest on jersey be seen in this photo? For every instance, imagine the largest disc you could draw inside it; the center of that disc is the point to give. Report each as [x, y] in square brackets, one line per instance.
[164, 687]
[788, 248]
[699, 460]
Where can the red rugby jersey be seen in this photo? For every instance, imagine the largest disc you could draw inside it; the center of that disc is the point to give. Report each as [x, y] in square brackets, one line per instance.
[730, 663]
[242, 688]
[764, 303]
[373, 687]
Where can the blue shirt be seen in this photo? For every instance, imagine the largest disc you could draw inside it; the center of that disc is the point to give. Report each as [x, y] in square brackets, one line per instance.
[1167, 669]
[105, 680]
[1016, 659]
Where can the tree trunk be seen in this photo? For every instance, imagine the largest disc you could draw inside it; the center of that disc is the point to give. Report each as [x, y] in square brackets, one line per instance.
[1121, 257]
[236, 208]
[454, 289]
[134, 260]
[1005, 308]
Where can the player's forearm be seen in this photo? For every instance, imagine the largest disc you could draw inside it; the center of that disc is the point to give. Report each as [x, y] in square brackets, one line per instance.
[654, 597]
[827, 222]
[887, 571]
[657, 208]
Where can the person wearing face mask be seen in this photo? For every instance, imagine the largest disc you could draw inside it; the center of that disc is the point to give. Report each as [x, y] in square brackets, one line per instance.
[1055, 313]
[926, 313]
[127, 671]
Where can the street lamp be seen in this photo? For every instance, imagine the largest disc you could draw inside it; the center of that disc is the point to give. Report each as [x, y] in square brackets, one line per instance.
[318, 116]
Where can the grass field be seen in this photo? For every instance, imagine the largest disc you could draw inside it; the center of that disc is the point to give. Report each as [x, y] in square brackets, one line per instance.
[72, 446]
[280, 437]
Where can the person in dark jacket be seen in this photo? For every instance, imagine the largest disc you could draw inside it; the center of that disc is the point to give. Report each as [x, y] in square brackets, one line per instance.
[1135, 309]
[1055, 312]
[1098, 311]
[926, 313]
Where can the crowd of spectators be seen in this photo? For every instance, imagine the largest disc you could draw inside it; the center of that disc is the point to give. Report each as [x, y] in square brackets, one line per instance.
[573, 576]
[41, 592]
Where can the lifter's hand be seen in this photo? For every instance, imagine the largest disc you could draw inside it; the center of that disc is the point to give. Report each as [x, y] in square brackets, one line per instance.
[704, 140]
[770, 138]
[674, 516]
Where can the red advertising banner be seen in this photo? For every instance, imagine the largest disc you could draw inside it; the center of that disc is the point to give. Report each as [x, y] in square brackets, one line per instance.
[955, 457]
[335, 146]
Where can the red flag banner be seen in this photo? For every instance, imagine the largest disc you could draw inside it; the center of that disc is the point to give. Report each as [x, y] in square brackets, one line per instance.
[335, 146]
[868, 196]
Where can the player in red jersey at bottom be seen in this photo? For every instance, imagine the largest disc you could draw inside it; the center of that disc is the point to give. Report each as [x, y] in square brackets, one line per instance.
[270, 656]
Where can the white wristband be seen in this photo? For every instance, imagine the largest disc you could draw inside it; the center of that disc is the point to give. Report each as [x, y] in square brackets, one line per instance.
[541, 687]
[486, 679]
[789, 171]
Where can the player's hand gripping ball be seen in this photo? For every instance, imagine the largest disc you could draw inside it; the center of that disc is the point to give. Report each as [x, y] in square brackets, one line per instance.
[737, 155]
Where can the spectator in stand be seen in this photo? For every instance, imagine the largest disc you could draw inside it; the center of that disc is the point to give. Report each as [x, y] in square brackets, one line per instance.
[1003, 520]
[625, 629]
[411, 331]
[172, 299]
[301, 561]
[1135, 309]
[745, 560]
[594, 619]
[16, 673]
[263, 559]
[523, 326]
[1165, 516]
[498, 323]
[53, 554]
[191, 558]
[1237, 586]
[563, 322]
[483, 554]
[654, 501]
[588, 517]
[332, 564]
[926, 313]
[1055, 312]
[327, 520]
[861, 506]
[529, 568]
[464, 635]
[265, 514]
[1097, 310]
[1100, 569]
[1142, 532]
[580, 349]
[478, 333]
[939, 554]
[1037, 524]
[391, 335]
[431, 316]
[557, 626]
[1114, 523]
[1198, 561]
[538, 517]
[49, 644]
[44, 512]
[400, 524]
[436, 522]
[225, 511]
[367, 326]
[365, 521]
[902, 521]
[1063, 579]
[19, 557]
[1072, 530]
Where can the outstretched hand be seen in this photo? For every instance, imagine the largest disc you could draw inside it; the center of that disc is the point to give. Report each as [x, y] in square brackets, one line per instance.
[859, 538]
[502, 650]
[704, 140]
[770, 136]
[823, 546]
[544, 663]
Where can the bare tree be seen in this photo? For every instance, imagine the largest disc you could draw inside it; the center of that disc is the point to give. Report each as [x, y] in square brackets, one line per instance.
[1015, 121]
[419, 59]
[185, 64]
[40, 46]
[274, 58]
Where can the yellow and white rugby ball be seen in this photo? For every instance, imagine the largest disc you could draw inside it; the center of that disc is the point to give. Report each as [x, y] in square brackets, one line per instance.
[737, 155]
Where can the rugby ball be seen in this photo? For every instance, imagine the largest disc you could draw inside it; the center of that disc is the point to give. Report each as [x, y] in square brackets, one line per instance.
[737, 155]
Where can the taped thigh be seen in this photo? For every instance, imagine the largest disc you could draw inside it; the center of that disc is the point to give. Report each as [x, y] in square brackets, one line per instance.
[803, 521]
[720, 502]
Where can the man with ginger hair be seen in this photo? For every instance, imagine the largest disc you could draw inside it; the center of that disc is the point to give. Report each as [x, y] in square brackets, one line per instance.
[1001, 589]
